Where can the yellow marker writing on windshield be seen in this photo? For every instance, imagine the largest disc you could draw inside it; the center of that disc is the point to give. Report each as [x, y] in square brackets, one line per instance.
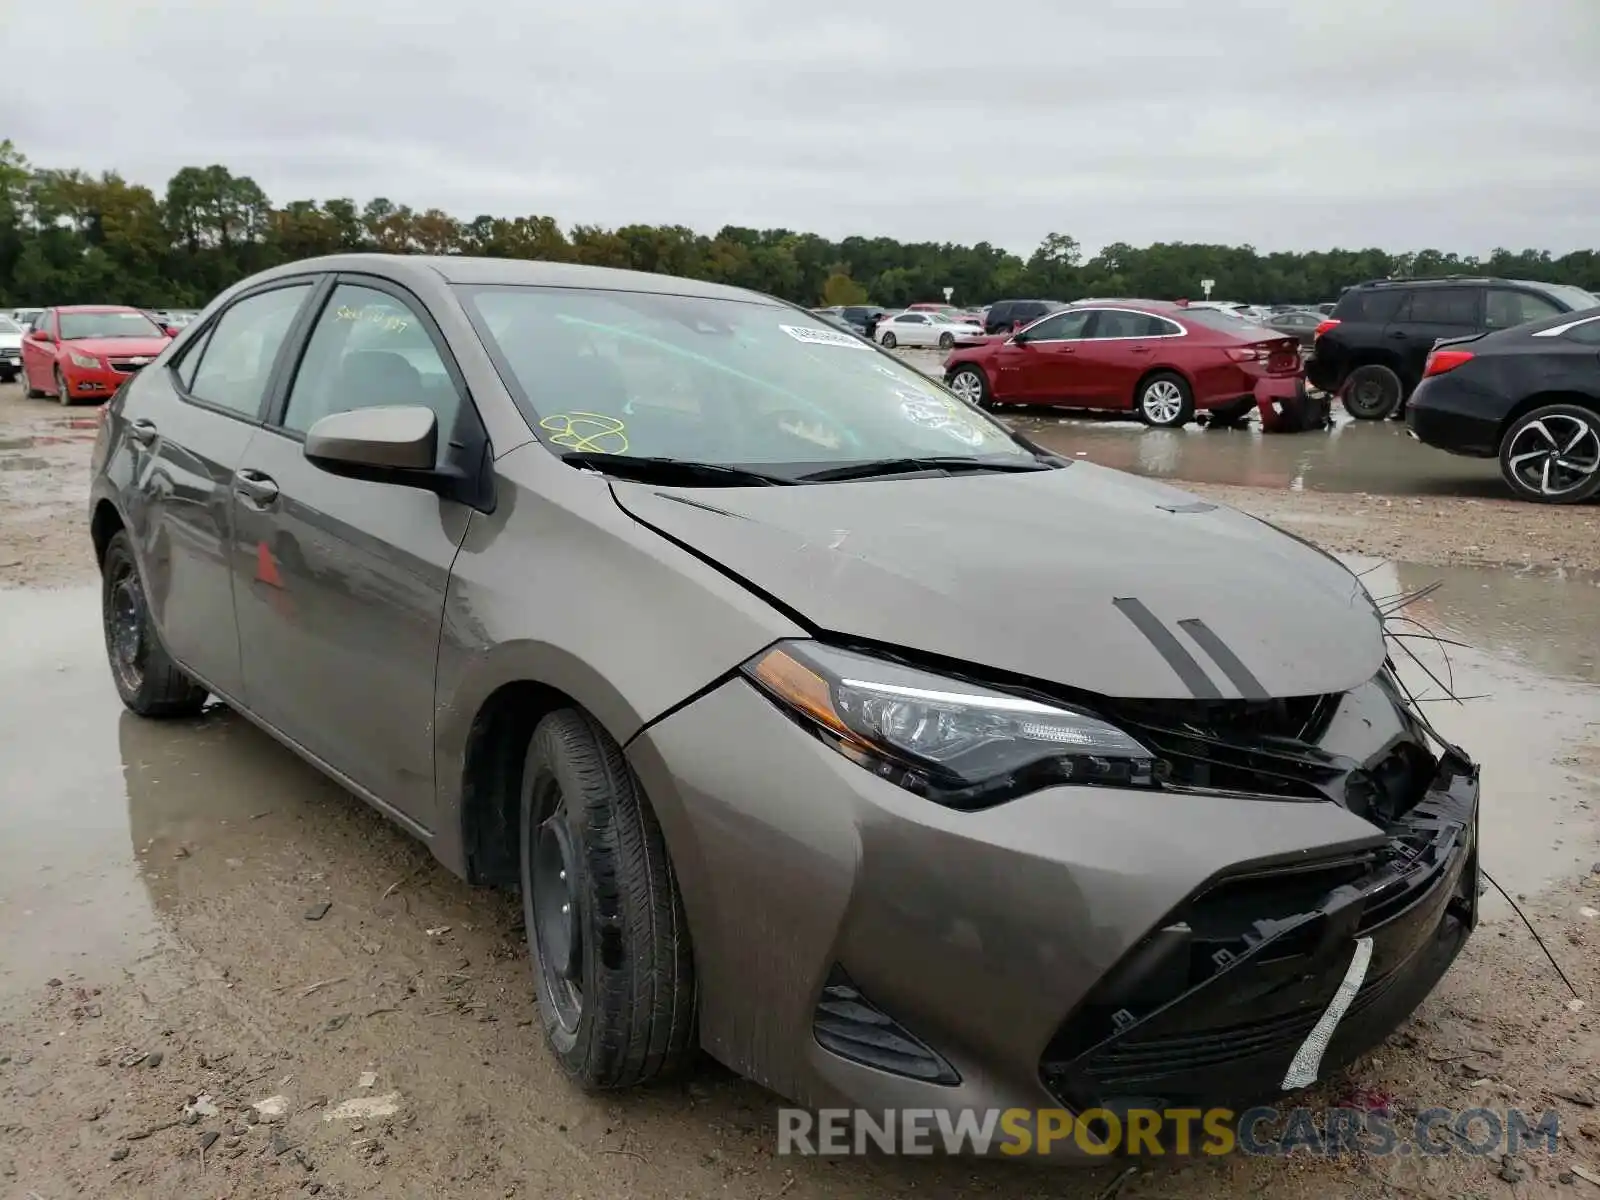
[592, 432]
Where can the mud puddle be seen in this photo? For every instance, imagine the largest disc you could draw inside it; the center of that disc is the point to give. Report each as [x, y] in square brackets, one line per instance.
[1352, 457]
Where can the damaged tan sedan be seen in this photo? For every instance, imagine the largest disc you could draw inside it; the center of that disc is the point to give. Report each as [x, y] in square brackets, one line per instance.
[823, 723]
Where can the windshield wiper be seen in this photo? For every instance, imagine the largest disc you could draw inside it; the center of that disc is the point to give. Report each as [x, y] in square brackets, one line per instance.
[669, 471]
[875, 467]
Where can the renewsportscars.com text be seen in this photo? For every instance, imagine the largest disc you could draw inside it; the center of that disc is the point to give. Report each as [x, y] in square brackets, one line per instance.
[1262, 1131]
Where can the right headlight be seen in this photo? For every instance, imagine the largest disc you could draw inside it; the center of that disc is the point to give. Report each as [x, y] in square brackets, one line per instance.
[87, 361]
[955, 742]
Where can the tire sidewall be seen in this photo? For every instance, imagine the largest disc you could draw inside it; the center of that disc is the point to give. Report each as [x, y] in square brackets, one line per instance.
[985, 399]
[889, 342]
[947, 341]
[1579, 494]
[1391, 383]
[119, 553]
[542, 766]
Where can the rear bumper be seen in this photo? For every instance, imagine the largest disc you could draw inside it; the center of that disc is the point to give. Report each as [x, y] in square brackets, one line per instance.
[1452, 414]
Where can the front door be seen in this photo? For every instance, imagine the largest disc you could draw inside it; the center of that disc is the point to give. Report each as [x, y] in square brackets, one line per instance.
[340, 583]
[1117, 350]
[1040, 364]
[39, 358]
[187, 434]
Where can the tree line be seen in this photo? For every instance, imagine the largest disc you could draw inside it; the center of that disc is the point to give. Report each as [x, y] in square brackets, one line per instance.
[68, 236]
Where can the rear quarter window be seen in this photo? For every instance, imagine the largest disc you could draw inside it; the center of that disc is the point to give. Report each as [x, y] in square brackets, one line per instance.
[1378, 305]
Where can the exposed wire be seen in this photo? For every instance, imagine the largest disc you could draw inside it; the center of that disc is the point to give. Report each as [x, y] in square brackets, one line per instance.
[1524, 916]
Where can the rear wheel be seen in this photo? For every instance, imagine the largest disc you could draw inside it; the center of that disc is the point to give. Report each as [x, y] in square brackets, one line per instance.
[889, 342]
[1372, 392]
[612, 961]
[972, 385]
[149, 682]
[1552, 454]
[1164, 401]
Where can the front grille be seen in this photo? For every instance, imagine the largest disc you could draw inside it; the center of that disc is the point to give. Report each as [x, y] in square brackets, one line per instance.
[851, 1026]
[1211, 1007]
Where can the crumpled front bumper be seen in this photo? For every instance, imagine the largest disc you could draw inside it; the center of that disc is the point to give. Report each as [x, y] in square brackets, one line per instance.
[1002, 942]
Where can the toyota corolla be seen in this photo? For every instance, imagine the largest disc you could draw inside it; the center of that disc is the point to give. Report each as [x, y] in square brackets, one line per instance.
[821, 722]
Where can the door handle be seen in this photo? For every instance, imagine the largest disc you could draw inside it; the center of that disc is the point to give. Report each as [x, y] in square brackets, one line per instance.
[142, 431]
[1397, 333]
[253, 485]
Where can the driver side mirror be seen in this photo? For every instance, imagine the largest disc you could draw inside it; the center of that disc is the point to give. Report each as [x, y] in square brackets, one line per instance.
[40, 335]
[170, 330]
[398, 444]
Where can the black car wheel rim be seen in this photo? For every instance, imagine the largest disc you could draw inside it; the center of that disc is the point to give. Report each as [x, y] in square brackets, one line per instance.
[125, 627]
[1555, 455]
[557, 928]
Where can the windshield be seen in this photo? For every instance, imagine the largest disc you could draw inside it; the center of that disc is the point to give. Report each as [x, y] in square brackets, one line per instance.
[107, 325]
[721, 381]
[1574, 296]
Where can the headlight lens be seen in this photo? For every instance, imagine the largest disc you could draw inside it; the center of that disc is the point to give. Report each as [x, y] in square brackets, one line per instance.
[955, 742]
[87, 361]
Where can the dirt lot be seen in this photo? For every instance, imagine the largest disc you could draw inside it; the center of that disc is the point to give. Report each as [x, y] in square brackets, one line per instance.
[190, 919]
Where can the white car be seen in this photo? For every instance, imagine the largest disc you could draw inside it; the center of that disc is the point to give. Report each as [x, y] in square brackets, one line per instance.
[25, 317]
[10, 350]
[924, 329]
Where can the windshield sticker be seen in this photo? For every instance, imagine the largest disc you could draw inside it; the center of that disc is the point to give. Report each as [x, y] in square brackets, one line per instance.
[937, 413]
[823, 337]
[594, 433]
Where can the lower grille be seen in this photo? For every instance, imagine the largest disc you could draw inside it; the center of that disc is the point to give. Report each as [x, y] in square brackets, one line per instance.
[851, 1026]
[126, 367]
[1211, 1007]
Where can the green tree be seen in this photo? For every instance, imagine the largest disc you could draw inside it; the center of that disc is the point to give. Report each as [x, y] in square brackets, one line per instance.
[839, 288]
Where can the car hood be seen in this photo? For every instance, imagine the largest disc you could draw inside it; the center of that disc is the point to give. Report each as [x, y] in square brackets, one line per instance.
[119, 347]
[1079, 576]
[12, 341]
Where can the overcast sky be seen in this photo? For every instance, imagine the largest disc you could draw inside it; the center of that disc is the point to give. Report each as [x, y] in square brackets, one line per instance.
[1287, 124]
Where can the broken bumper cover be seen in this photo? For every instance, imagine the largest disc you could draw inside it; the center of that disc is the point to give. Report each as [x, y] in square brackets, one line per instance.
[1214, 1006]
[858, 945]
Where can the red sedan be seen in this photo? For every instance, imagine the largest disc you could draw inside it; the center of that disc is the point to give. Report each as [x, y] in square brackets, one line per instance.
[1162, 360]
[85, 351]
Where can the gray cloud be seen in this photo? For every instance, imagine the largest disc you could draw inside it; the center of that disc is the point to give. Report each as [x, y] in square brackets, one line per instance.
[1287, 124]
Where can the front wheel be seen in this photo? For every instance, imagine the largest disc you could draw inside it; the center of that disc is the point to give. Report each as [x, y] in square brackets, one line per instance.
[972, 385]
[1165, 401]
[613, 966]
[149, 682]
[1372, 392]
[947, 341]
[889, 342]
[63, 394]
[1552, 454]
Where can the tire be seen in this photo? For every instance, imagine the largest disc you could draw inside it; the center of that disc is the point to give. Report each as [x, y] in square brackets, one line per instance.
[972, 385]
[889, 342]
[1372, 392]
[149, 682]
[947, 341]
[1552, 454]
[1164, 401]
[613, 968]
[63, 395]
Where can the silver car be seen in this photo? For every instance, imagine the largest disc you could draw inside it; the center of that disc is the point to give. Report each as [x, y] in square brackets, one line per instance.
[823, 724]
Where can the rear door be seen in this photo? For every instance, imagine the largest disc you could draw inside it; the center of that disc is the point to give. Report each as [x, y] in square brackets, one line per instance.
[1115, 351]
[1429, 314]
[340, 583]
[186, 429]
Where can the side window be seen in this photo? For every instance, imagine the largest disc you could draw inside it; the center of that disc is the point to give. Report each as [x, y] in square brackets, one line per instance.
[190, 362]
[1062, 327]
[239, 352]
[1444, 306]
[912, 319]
[1115, 323]
[370, 350]
[1160, 327]
[1504, 308]
[1378, 305]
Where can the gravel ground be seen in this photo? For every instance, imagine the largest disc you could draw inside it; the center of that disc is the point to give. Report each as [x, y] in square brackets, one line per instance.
[392, 1035]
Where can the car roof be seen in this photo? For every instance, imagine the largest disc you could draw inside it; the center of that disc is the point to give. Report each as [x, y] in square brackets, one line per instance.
[1445, 280]
[1129, 302]
[516, 272]
[97, 308]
